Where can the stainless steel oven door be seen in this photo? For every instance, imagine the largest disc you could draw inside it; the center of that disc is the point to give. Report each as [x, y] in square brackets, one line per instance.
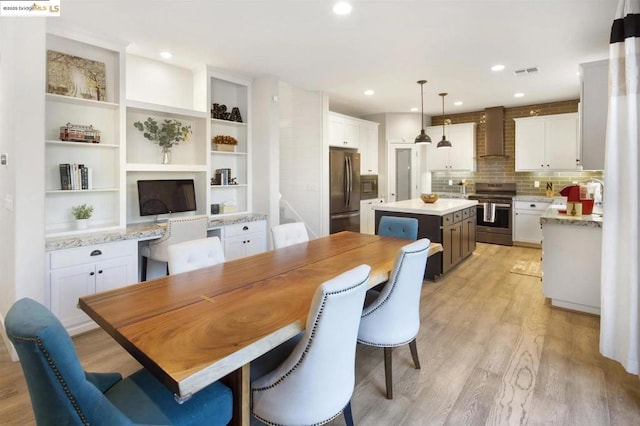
[501, 222]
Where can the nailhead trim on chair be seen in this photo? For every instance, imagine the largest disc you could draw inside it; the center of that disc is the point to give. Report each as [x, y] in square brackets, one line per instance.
[167, 232]
[304, 353]
[393, 286]
[53, 366]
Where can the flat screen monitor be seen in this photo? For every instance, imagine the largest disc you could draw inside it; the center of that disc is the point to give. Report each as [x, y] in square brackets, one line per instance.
[166, 196]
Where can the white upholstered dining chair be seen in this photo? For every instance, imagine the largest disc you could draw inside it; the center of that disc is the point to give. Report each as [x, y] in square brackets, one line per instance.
[393, 317]
[195, 254]
[178, 230]
[315, 382]
[288, 234]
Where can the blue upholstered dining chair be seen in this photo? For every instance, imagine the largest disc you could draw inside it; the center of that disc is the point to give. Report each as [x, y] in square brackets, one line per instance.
[393, 317]
[315, 382]
[62, 393]
[398, 227]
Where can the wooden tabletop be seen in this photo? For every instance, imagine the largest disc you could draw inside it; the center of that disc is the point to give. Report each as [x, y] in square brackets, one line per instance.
[194, 328]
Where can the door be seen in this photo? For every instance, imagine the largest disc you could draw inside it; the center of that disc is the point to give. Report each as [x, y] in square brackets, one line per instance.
[530, 144]
[403, 174]
[561, 146]
[345, 222]
[115, 273]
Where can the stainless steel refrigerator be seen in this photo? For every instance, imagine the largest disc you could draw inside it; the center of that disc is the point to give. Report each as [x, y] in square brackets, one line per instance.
[344, 168]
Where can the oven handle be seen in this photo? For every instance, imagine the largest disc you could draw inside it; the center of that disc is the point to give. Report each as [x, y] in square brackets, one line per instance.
[497, 205]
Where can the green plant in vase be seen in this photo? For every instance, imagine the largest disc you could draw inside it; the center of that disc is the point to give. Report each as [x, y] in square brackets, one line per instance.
[82, 213]
[166, 134]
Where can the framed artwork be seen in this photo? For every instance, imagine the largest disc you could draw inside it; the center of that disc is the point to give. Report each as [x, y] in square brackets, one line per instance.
[77, 77]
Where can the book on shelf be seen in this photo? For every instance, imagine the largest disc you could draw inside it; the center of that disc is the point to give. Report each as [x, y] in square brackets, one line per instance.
[75, 176]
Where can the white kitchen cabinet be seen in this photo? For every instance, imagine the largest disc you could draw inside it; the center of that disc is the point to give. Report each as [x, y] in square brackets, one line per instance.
[368, 215]
[461, 155]
[344, 131]
[526, 228]
[82, 271]
[594, 101]
[571, 256]
[245, 239]
[368, 147]
[548, 142]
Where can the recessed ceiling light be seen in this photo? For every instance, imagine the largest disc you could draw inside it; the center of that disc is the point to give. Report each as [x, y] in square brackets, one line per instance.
[166, 55]
[369, 92]
[498, 67]
[342, 8]
[518, 95]
[414, 109]
[457, 103]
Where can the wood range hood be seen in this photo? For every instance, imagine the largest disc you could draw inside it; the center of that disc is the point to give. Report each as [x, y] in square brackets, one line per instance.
[494, 132]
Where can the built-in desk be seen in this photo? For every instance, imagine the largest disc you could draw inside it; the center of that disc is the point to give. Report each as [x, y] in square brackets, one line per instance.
[89, 263]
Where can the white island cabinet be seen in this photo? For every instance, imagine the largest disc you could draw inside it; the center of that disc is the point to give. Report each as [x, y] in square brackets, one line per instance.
[571, 254]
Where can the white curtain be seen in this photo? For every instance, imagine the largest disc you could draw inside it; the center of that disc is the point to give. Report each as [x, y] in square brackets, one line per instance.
[620, 317]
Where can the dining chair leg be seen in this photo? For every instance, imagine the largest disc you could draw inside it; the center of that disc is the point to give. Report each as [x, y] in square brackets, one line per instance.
[414, 353]
[388, 372]
[348, 417]
[144, 269]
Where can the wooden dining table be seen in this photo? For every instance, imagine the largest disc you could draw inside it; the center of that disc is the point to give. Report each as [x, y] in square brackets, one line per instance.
[194, 328]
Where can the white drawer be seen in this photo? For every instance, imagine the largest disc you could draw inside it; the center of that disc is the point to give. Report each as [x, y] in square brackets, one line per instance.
[532, 205]
[95, 253]
[245, 228]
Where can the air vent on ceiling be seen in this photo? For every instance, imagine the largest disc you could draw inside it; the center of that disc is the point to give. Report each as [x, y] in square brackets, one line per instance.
[525, 71]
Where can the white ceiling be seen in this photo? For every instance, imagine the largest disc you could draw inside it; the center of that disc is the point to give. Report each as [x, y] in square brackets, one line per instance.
[384, 45]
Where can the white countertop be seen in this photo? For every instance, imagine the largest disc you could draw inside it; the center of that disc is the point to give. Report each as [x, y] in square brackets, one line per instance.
[552, 215]
[439, 208]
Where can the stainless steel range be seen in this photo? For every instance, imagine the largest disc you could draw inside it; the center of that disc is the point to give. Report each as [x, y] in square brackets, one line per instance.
[494, 218]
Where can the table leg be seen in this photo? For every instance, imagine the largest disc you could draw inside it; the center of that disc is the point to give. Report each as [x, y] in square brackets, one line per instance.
[239, 382]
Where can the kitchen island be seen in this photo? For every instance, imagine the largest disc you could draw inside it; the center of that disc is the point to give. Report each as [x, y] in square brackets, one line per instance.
[450, 222]
[571, 253]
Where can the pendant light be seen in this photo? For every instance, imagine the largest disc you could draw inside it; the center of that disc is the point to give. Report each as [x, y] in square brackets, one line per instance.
[422, 138]
[444, 143]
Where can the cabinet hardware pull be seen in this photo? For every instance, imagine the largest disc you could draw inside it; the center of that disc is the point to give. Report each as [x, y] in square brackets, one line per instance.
[95, 253]
[532, 205]
[92, 273]
[100, 271]
[245, 228]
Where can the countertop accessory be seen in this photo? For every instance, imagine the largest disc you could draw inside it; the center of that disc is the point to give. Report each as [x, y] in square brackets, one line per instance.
[429, 198]
[444, 143]
[422, 138]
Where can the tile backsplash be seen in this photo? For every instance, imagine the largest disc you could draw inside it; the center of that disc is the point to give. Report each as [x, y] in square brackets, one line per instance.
[503, 169]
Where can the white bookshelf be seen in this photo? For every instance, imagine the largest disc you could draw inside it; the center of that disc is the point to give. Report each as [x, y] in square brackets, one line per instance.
[104, 158]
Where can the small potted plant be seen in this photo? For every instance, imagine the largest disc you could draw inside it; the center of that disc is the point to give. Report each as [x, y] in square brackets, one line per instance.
[82, 213]
[170, 132]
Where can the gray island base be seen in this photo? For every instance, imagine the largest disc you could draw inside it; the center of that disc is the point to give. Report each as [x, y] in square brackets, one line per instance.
[450, 222]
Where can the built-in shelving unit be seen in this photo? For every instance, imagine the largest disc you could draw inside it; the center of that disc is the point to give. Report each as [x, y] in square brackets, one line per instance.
[104, 159]
[232, 92]
[144, 158]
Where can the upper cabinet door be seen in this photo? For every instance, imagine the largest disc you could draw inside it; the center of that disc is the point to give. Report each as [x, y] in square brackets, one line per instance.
[530, 144]
[547, 142]
[344, 131]
[562, 142]
[368, 148]
[461, 155]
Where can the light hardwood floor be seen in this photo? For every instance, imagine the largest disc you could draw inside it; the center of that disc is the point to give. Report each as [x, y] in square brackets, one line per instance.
[492, 351]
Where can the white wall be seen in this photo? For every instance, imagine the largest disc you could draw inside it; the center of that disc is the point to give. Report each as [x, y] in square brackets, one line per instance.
[22, 106]
[304, 155]
[266, 149]
[159, 83]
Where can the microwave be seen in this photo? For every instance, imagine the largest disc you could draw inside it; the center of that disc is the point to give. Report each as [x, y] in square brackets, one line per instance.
[368, 187]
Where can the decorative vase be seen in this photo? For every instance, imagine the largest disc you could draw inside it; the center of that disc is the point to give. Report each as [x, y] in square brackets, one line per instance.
[166, 155]
[82, 223]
